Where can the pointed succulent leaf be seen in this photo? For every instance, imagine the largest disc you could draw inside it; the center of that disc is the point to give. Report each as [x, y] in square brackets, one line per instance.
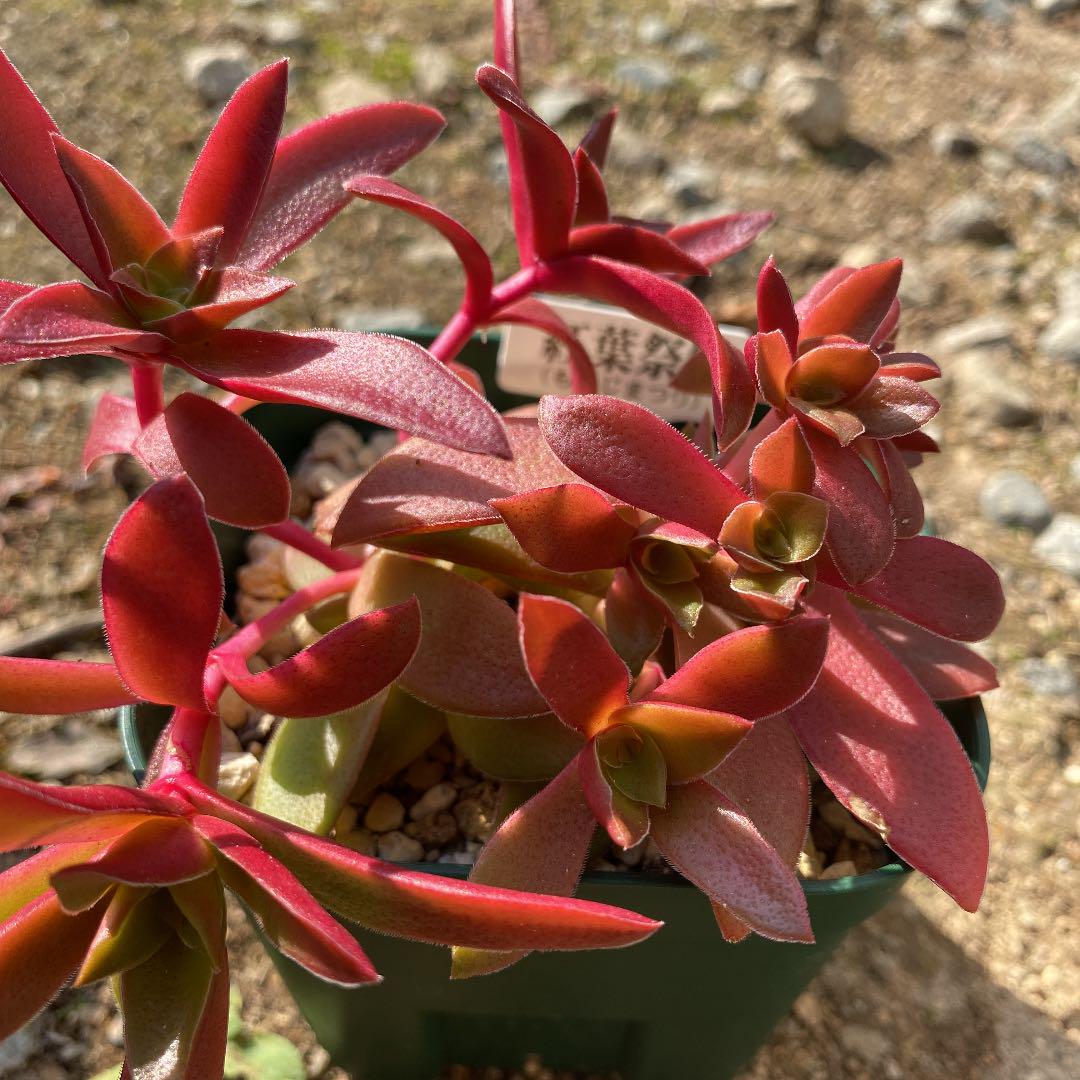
[233, 166]
[940, 586]
[782, 462]
[161, 592]
[693, 741]
[832, 373]
[835, 421]
[548, 179]
[712, 843]
[190, 743]
[897, 765]
[132, 930]
[592, 201]
[633, 619]
[910, 365]
[800, 523]
[754, 672]
[29, 685]
[635, 245]
[183, 260]
[473, 257]
[240, 477]
[904, 497]
[376, 377]
[518, 749]
[287, 913]
[596, 141]
[537, 314]
[113, 429]
[344, 668]
[469, 660]
[202, 903]
[623, 819]
[29, 878]
[892, 406]
[569, 528]
[541, 847]
[715, 239]
[392, 900]
[632, 454]
[821, 288]
[29, 169]
[775, 308]
[633, 763]
[855, 306]
[571, 662]
[769, 595]
[774, 365]
[739, 537]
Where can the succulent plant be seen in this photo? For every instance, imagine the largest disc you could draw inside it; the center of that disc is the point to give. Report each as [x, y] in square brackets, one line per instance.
[656, 633]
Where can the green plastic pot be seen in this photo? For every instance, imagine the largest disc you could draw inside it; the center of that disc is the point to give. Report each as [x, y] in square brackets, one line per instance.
[683, 1005]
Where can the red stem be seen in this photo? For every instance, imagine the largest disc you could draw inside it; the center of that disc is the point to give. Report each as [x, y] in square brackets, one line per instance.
[296, 536]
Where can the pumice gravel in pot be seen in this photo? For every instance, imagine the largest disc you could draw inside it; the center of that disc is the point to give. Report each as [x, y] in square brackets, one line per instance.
[639, 635]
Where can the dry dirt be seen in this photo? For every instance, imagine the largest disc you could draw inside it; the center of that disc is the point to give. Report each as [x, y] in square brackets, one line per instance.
[923, 990]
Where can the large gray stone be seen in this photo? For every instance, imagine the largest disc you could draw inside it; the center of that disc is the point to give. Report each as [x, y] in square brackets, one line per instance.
[1011, 498]
[971, 217]
[645, 74]
[944, 16]
[985, 392]
[1053, 678]
[1037, 154]
[1050, 8]
[215, 71]
[555, 104]
[58, 755]
[810, 103]
[1061, 339]
[1059, 545]
[981, 332]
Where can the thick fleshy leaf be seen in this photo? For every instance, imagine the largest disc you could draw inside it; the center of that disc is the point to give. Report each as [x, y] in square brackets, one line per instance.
[392, 900]
[123, 226]
[821, 288]
[631, 453]
[548, 177]
[10, 291]
[185, 259]
[635, 245]
[40, 946]
[910, 365]
[860, 537]
[774, 364]
[241, 479]
[569, 528]
[537, 314]
[189, 743]
[376, 377]
[712, 843]
[232, 169]
[782, 462]
[311, 165]
[161, 592]
[29, 169]
[832, 373]
[625, 821]
[50, 687]
[287, 912]
[633, 763]
[31, 877]
[754, 672]
[664, 302]
[904, 498]
[792, 528]
[837, 422]
[571, 662]
[113, 429]
[715, 239]
[693, 740]
[311, 765]
[469, 660]
[775, 308]
[592, 203]
[892, 406]
[738, 536]
[541, 847]
[940, 586]
[519, 749]
[176, 1010]
[856, 306]
[421, 486]
[131, 932]
[596, 141]
[345, 667]
[945, 669]
[891, 757]
[633, 619]
[473, 257]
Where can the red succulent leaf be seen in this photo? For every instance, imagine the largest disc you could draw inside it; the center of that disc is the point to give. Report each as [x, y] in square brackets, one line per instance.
[113, 429]
[940, 586]
[202, 903]
[856, 305]
[570, 528]
[473, 257]
[239, 475]
[918, 442]
[860, 536]
[469, 660]
[891, 757]
[774, 365]
[904, 497]
[596, 141]
[59, 686]
[945, 669]
[123, 227]
[782, 462]
[910, 365]
[421, 486]
[548, 181]
[376, 377]
[345, 667]
[571, 662]
[40, 946]
[821, 288]
[186, 259]
[232, 169]
[712, 843]
[541, 847]
[634, 619]
[306, 184]
[715, 239]
[625, 821]
[775, 308]
[135, 926]
[832, 373]
[287, 913]
[739, 537]
[537, 314]
[592, 202]
[632, 454]
[162, 586]
[893, 405]
[190, 743]
[635, 245]
[424, 907]
[31, 172]
[10, 291]
[665, 303]
[754, 672]
[24, 882]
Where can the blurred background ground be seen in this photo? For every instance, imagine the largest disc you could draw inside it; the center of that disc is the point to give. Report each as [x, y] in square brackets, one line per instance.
[958, 150]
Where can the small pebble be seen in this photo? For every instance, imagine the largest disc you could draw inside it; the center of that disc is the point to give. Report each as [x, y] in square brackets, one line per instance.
[236, 774]
[440, 797]
[1013, 499]
[846, 868]
[397, 847]
[424, 773]
[363, 841]
[385, 813]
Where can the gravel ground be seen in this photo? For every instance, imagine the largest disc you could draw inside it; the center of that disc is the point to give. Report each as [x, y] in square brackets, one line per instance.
[946, 101]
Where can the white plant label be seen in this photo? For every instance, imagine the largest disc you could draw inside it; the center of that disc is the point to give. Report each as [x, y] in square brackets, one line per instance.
[633, 359]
